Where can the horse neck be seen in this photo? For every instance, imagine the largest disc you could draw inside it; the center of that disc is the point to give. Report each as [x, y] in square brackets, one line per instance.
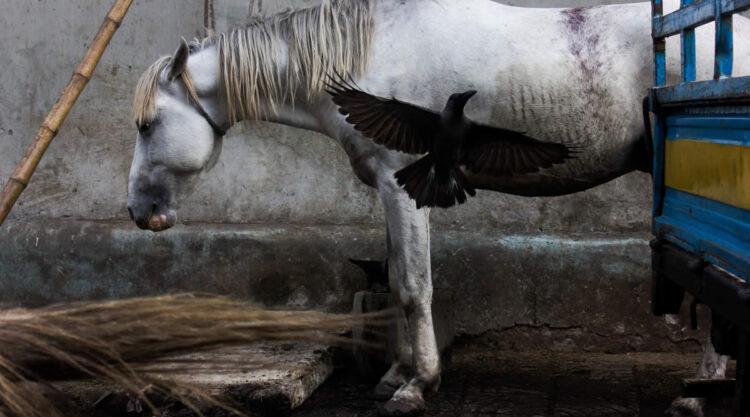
[297, 112]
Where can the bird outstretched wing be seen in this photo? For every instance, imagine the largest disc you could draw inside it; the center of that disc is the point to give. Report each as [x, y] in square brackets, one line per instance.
[502, 152]
[394, 124]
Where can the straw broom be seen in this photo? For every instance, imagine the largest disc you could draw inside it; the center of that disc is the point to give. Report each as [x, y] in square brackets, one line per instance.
[114, 340]
[20, 177]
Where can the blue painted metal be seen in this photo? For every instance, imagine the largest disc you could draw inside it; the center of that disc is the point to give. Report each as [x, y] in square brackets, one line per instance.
[734, 6]
[660, 68]
[660, 46]
[724, 43]
[687, 39]
[725, 129]
[658, 164]
[729, 89]
[687, 42]
[716, 232]
[697, 13]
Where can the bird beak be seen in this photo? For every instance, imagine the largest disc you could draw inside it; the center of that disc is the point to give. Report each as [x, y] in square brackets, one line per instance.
[467, 95]
[464, 97]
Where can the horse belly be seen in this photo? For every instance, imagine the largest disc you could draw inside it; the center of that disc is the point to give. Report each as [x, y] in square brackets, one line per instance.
[575, 77]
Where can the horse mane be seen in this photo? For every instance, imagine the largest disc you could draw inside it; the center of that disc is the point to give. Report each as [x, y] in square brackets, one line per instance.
[144, 100]
[331, 38]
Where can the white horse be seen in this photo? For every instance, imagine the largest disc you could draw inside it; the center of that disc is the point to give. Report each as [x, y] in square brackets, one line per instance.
[566, 75]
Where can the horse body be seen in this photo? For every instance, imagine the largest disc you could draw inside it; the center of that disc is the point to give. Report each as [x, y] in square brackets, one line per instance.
[575, 76]
[542, 71]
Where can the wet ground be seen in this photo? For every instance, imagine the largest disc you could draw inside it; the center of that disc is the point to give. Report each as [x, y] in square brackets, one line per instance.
[482, 382]
[486, 382]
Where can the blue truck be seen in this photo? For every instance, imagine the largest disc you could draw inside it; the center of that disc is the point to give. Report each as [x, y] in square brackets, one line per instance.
[701, 188]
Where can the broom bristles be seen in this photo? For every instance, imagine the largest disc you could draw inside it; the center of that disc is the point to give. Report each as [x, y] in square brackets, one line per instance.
[114, 340]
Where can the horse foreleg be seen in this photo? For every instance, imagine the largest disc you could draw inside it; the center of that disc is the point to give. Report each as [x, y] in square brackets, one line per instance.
[409, 274]
[713, 366]
[401, 369]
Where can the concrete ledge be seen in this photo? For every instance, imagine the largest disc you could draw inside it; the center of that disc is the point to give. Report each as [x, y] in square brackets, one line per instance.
[568, 292]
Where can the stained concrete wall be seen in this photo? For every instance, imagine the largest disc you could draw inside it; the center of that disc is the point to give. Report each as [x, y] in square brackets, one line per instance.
[572, 270]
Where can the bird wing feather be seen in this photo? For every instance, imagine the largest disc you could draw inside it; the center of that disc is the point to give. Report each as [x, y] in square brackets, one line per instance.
[502, 152]
[389, 122]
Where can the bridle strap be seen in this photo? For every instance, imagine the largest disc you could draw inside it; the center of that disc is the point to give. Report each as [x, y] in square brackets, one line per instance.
[197, 104]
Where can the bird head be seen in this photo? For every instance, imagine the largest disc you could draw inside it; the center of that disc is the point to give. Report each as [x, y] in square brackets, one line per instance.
[457, 101]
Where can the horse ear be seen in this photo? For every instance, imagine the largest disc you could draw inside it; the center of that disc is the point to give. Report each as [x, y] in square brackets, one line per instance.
[179, 60]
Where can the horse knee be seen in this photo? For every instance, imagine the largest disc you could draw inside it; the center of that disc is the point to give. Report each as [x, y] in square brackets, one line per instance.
[685, 407]
[416, 305]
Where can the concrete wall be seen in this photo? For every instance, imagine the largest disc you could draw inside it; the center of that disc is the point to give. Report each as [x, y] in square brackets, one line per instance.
[573, 270]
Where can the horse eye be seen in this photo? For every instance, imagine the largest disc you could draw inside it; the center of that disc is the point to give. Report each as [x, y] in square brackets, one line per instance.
[144, 127]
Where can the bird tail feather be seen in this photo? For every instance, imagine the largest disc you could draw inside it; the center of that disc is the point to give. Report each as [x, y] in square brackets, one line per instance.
[429, 189]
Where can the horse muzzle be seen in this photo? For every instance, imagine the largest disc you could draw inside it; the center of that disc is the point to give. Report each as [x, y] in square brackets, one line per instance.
[152, 217]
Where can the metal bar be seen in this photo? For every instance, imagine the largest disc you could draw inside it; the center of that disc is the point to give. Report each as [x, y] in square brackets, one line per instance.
[697, 13]
[729, 89]
[734, 6]
[657, 189]
[724, 43]
[660, 63]
[707, 388]
[658, 180]
[660, 59]
[724, 293]
[687, 57]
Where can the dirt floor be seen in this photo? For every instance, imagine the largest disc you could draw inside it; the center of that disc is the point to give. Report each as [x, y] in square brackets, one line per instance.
[482, 382]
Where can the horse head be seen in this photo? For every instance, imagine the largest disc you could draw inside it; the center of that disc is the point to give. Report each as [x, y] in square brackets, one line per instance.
[179, 119]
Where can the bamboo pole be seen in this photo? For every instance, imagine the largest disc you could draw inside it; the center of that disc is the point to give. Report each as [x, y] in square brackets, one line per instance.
[51, 124]
[251, 8]
[209, 20]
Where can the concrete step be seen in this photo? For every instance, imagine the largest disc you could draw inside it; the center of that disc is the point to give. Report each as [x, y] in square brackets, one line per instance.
[522, 291]
[263, 379]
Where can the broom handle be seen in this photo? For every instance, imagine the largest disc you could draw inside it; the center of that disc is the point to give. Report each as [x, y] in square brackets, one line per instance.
[47, 131]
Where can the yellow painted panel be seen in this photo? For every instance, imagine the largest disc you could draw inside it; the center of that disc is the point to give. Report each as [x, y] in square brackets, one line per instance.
[712, 170]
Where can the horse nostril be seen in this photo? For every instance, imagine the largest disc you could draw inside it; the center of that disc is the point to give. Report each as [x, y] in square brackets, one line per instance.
[130, 212]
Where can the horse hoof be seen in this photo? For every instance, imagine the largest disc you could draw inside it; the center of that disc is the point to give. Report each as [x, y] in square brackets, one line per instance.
[402, 408]
[685, 407]
[384, 391]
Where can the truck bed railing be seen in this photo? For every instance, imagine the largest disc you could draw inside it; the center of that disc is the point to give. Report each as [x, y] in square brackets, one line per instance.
[694, 13]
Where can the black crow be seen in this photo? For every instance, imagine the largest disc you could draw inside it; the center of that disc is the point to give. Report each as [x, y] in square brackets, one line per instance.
[449, 139]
